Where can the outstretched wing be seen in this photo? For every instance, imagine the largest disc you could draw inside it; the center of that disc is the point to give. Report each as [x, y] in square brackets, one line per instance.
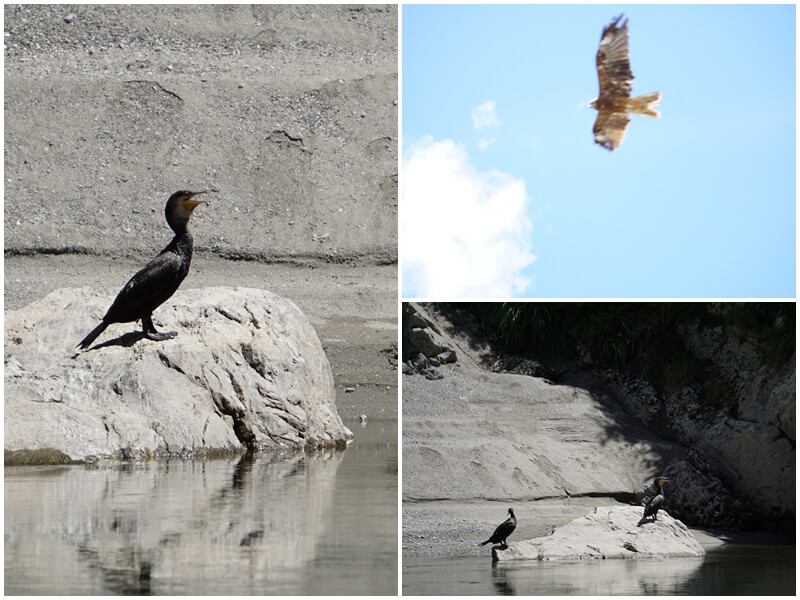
[609, 128]
[613, 62]
[616, 81]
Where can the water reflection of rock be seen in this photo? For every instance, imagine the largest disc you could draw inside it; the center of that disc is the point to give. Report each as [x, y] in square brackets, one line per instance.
[598, 577]
[141, 526]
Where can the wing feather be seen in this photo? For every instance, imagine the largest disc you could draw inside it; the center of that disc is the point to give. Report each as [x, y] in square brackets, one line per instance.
[613, 61]
[609, 128]
[148, 288]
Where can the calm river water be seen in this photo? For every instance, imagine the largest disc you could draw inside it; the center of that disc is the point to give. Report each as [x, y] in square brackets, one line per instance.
[735, 570]
[295, 523]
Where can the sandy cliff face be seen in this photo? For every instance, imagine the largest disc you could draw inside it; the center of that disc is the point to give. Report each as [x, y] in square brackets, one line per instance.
[289, 112]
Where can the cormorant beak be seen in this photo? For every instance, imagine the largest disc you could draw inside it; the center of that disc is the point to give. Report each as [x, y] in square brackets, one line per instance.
[190, 204]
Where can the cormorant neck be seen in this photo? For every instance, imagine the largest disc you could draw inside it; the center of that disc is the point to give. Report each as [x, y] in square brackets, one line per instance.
[177, 215]
[179, 225]
[182, 244]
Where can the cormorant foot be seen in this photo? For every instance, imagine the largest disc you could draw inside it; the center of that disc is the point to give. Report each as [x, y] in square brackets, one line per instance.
[160, 336]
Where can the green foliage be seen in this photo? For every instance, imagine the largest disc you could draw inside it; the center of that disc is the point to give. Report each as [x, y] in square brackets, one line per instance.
[680, 369]
[617, 334]
[644, 337]
[772, 325]
[523, 326]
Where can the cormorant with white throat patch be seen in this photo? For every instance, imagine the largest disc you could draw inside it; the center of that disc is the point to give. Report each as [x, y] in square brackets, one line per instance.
[158, 280]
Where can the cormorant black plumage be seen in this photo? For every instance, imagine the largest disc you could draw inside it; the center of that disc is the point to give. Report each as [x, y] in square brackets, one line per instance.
[159, 279]
[651, 509]
[503, 530]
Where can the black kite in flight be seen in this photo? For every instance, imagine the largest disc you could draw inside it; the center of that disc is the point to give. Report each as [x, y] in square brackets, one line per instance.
[615, 105]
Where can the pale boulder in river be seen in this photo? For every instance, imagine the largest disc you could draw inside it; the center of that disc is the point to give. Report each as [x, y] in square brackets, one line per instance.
[608, 532]
[246, 370]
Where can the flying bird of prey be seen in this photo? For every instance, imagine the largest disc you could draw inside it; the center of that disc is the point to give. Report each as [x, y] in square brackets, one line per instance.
[614, 104]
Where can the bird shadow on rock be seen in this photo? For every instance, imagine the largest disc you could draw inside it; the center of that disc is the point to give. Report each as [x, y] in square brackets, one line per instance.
[126, 340]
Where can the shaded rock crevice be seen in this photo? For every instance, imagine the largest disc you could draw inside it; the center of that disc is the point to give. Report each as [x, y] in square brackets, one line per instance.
[237, 414]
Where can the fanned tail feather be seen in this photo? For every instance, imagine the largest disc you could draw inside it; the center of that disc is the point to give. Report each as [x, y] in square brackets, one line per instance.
[645, 104]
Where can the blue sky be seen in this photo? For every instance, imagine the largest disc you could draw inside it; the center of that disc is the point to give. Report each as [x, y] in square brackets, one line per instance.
[505, 193]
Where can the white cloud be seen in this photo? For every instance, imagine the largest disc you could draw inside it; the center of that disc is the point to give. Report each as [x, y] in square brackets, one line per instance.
[484, 116]
[484, 143]
[463, 233]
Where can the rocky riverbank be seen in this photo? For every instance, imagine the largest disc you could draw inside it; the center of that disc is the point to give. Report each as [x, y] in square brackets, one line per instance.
[553, 445]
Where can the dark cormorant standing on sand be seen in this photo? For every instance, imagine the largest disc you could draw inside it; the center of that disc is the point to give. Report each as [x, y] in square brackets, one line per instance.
[503, 530]
[159, 279]
[655, 502]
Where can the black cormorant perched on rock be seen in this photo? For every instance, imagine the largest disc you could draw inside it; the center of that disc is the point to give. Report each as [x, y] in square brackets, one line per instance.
[651, 509]
[503, 530]
[159, 279]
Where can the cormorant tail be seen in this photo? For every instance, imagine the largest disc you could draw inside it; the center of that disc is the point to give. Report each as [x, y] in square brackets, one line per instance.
[87, 341]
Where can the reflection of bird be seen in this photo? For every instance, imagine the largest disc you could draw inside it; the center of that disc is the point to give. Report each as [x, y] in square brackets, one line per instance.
[503, 530]
[614, 104]
[655, 502]
[159, 279]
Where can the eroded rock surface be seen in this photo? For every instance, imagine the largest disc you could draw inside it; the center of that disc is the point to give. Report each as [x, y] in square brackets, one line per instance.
[424, 346]
[246, 370]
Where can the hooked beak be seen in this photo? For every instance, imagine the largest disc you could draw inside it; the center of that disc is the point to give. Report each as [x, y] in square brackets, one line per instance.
[190, 204]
